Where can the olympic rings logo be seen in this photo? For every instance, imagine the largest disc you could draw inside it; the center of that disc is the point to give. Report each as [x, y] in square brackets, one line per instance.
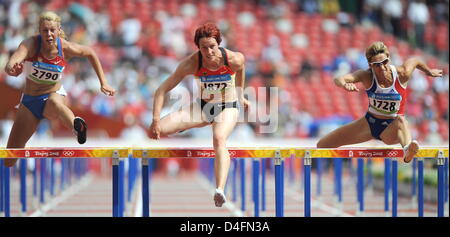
[68, 153]
[392, 153]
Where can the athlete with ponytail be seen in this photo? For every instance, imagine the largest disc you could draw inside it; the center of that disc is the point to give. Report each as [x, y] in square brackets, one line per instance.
[44, 57]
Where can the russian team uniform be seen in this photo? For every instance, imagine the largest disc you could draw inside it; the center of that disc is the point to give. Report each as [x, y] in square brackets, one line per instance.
[43, 71]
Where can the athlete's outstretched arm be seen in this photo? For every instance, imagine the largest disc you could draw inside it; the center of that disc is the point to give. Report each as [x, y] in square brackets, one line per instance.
[240, 79]
[14, 66]
[411, 64]
[76, 50]
[348, 81]
[184, 68]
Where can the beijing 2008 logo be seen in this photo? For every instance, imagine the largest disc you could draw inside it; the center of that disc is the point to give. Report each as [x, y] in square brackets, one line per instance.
[68, 153]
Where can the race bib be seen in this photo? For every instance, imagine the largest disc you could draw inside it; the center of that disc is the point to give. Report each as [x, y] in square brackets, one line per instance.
[216, 83]
[45, 73]
[385, 103]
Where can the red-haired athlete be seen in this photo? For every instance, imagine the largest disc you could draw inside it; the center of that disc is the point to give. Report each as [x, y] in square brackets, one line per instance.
[220, 75]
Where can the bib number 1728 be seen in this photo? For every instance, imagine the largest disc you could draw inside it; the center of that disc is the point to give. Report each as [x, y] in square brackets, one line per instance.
[385, 105]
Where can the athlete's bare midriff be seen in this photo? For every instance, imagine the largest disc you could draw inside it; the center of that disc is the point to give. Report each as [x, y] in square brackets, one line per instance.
[35, 89]
[228, 96]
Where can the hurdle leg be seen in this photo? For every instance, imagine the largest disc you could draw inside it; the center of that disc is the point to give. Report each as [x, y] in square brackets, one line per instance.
[42, 187]
[233, 180]
[23, 185]
[6, 192]
[2, 209]
[263, 185]
[414, 182]
[394, 186]
[369, 175]
[387, 173]
[35, 183]
[145, 188]
[446, 184]
[307, 184]
[278, 186]
[360, 182]
[52, 177]
[115, 174]
[121, 187]
[420, 187]
[440, 163]
[338, 180]
[255, 182]
[319, 176]
[242, 165]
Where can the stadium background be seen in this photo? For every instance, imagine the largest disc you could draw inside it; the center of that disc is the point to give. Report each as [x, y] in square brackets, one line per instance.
[296, 46]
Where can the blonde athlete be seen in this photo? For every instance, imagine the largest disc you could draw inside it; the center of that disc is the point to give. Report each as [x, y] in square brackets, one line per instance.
[44, 57]
[386, 90]
[220, 74]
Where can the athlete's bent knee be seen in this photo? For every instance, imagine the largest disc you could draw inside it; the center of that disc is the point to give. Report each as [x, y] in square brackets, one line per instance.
[219, 140]
[322, 144]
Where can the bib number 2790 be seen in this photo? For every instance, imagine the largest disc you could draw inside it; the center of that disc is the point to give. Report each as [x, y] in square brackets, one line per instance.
[47, 75]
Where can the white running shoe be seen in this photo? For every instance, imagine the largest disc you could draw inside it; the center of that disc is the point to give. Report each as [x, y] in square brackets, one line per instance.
[219, 198]
[410, 151]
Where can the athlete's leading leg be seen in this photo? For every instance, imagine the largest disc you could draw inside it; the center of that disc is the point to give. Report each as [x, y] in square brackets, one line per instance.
[222, 127]
[24, 126]
[398, 132]
[355, 132]
[56, 109]
[187, 117]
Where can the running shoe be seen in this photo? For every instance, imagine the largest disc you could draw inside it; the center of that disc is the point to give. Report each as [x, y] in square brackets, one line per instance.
[219, 198]
[410, 151]
[80, 128]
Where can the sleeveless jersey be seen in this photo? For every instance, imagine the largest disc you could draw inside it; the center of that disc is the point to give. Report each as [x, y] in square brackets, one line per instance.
[388, 101]
[43, 71]
[217, 81]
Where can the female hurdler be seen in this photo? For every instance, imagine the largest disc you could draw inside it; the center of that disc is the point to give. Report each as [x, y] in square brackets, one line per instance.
[220, 75]
[386, 90]
[44, 57]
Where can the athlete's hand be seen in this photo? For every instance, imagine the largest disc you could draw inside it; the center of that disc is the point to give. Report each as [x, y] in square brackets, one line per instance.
[244, 102]
[435, 73]
[350, 87]
[154, 130]
[14, 70]
[107, 90]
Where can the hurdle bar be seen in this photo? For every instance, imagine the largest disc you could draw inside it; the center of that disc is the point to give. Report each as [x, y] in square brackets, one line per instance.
[115, 153]
[255, 153]
[207, 152]
[439, 153]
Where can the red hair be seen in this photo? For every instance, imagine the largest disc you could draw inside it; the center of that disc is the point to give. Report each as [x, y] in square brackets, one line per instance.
[208, 29]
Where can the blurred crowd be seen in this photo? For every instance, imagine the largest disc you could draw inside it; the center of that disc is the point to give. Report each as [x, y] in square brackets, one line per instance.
[141, 42]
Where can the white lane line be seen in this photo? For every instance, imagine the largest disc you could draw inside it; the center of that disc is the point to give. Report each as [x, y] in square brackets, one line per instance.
[318, 204]
[85, 181]
[210, 189]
